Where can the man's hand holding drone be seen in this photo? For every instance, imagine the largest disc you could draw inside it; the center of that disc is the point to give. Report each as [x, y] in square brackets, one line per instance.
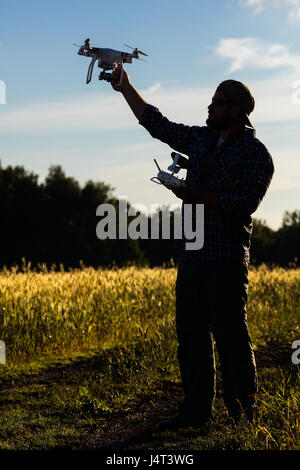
[115, 79]
[133, 98]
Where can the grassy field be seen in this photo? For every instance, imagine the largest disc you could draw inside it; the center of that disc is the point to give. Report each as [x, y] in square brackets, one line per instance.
[91, 362]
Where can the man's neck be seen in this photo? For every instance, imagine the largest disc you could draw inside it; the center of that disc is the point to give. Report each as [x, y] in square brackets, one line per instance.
[225, 133]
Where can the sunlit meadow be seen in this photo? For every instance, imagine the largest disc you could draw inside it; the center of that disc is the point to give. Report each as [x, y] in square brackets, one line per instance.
[132, 311]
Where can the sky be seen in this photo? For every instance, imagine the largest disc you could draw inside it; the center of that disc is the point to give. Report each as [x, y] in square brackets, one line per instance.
[49, 116]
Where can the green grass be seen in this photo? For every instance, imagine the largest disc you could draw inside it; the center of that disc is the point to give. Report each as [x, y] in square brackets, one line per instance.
[91, 362]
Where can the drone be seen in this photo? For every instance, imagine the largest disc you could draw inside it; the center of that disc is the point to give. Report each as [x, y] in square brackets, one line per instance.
[108, 59]
[168, 179]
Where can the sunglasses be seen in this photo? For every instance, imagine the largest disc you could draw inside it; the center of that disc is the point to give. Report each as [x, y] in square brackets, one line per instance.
[220, 102]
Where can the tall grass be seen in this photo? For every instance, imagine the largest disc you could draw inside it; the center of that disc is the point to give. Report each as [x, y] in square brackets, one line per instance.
[49, 312]
[72, 311]
[129, 316]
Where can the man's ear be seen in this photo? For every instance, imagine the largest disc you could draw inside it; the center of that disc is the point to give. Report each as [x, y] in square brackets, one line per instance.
[237, 112]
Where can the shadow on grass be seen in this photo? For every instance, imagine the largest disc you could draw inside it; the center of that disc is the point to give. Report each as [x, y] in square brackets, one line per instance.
[270, 355]
[273, 355]
[135, 426]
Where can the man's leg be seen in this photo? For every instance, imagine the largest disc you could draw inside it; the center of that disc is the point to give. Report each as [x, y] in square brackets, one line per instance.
[228, 299]
[195, 348]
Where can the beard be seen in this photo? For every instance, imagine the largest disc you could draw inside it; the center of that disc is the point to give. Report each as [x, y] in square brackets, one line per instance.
[218, 124]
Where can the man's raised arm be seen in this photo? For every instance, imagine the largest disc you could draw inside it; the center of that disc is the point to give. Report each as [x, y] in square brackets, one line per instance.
[133, 98]
[177, 136]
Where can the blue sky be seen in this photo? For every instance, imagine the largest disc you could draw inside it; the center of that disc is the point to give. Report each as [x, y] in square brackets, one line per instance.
[52, 117]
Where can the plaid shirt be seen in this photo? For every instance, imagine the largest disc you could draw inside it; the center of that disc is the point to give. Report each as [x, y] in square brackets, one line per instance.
[239, 171]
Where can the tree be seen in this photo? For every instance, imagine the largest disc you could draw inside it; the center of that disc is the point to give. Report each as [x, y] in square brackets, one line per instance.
[263, 241]
[288, 239]
[21, 202]
[55, 222]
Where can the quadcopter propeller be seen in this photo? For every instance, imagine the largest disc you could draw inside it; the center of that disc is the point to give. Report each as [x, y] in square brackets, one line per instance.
[86, 45]
[135, 49]
[129, 46]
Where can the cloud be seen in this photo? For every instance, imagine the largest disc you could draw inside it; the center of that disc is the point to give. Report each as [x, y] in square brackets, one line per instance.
[277, 96]
[96, 113]
[259, 6]
[187, 105]
[109, 111]
[256, 5]
[93, 113]
[287, 169]
[257, 54]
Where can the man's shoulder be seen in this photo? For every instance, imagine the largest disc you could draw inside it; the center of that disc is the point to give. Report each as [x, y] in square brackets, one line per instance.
[258, 153]
[255, 145]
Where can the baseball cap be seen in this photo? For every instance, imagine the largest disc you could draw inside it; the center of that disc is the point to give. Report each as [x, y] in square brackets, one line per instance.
[239, 94]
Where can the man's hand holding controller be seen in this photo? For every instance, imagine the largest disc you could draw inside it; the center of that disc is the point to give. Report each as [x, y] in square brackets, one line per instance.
[170, 181]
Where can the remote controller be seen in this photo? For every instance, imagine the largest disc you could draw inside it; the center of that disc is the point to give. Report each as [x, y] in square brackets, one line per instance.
[168, 179]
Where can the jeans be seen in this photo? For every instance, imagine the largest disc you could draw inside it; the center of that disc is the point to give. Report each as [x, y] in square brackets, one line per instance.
[211, 302]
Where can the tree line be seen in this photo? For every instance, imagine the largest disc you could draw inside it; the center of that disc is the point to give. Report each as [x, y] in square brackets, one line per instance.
[54, 222]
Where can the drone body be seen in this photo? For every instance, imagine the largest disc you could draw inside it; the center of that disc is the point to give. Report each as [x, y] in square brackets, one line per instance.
[108, 59]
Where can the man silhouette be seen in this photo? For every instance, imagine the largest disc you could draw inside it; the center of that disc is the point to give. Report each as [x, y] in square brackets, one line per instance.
[229, 171]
